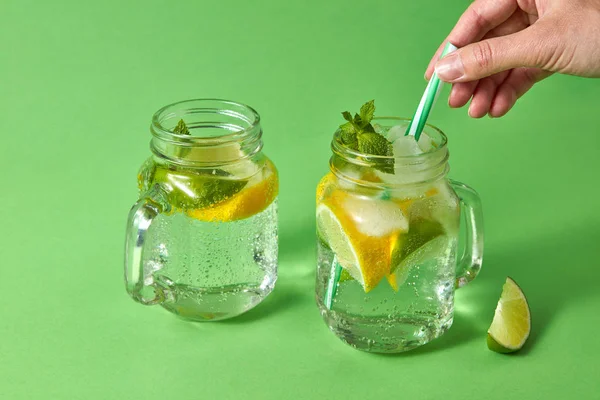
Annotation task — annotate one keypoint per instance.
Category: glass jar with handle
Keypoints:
(202, 238)
(388, 230)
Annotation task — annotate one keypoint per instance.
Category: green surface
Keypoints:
(79, 82)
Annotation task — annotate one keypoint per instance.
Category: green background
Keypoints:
(79, 82)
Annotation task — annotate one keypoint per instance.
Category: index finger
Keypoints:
(481, 17)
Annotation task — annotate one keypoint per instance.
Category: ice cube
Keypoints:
(440, 204)
(396, 132)
(374, 217)
(379, 129)
(351, 174)
(425, 143)
(406, 146)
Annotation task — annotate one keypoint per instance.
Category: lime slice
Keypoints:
(428, 251)
(330, 229)
(345, 276)
(421, 231)
(512, 321)
(424, 241)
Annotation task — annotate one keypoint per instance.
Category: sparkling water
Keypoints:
(212, 270)
(384, 320)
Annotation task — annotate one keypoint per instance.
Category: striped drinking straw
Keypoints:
(428, 100)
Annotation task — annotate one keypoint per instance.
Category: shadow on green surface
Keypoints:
(553, 271)
(281, 299)
(464, 329)
(290, 293)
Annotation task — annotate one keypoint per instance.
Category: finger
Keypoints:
(435, 59)
(518, 82)
(484, 94)
(461, 93)
(479, 18)
(488, 57)
(515, 23)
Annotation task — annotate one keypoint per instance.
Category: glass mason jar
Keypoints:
(387, 244)
(202, 238)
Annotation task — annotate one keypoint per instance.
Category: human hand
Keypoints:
(506, 46)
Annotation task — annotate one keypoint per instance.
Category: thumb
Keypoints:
(487, 57)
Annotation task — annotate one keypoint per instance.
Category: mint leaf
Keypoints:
(207, 189)
(367, 111)
(358, 121)
(348, 135)
(213, 191)
(377, 145)
(369, 128)
(358, 134)
(181, 128)
(349, 139)
(348, 127)
(374, 144)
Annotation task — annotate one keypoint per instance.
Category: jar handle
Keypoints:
(140, 287)
(469, 264)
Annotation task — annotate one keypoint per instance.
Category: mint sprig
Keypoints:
(181, 128)
(358, 134)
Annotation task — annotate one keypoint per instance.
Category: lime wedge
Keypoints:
(421, 231)
(512, 321)
(424, 241)
(428, 251)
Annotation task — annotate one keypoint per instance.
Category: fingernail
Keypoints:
(470, 112)
(450, 68)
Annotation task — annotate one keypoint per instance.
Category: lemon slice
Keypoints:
(362, 233)
(324, 184)
(391, 278)
(512, 321)
(256, 196)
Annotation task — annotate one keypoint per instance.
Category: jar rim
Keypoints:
(415, 169)
(233, 109)
(345, 152)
